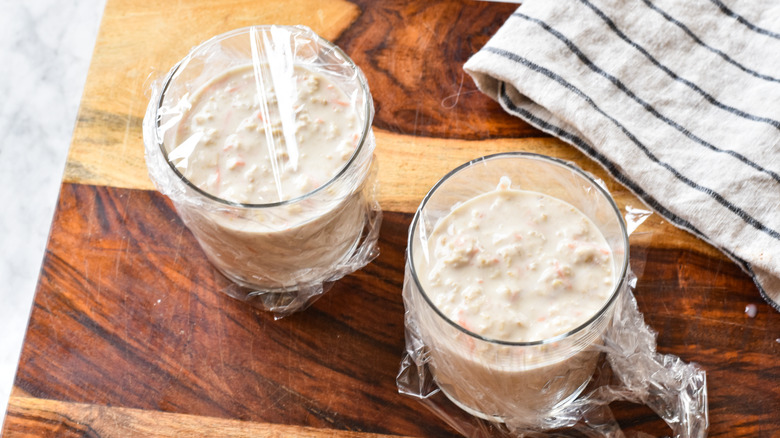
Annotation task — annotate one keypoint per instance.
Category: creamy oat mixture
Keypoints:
(518, 266)
(246, 140)
(260, 147)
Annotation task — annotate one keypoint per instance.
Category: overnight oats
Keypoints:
(514, 264)
(233, 146)
(262, 138)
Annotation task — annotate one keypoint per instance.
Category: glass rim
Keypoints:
(223, 36)
(528, 155)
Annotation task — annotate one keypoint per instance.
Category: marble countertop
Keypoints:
(46, 47)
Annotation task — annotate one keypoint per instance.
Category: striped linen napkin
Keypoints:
(678, 100)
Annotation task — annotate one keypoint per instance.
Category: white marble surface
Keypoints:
(45, 48)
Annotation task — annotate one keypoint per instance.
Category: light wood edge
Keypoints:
(108, 422)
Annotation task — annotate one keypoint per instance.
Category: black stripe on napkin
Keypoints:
(747, 218)
(649, 108)
(744, 21)
(725, 57)
(708, 97)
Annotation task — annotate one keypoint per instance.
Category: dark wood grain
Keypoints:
(697, 306)
(413, 54)
(129, 313)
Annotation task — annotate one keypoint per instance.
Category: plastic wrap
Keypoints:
(262, 139)
(552, 387)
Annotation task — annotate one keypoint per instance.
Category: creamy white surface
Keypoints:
(260, 147)
(515, 265)
(248, 140)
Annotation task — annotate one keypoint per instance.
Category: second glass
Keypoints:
(511, 382)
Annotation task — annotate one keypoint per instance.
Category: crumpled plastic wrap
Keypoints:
(538, 396)
(285, 250)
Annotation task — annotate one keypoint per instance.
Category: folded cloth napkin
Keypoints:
(678, 100)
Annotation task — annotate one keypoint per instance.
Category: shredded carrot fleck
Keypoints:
(558, 269)
(340, 102)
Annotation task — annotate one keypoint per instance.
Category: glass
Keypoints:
(496, 379)
(287, 252)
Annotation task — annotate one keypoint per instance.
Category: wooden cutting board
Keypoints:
(131, 335)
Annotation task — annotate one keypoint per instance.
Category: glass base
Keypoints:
(254, 288)
(501, 418)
